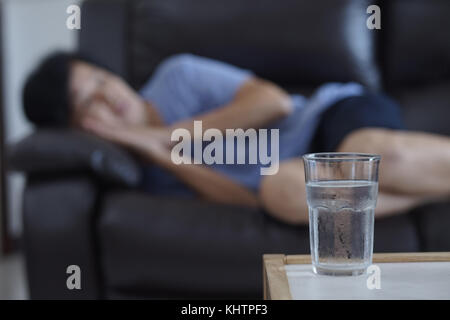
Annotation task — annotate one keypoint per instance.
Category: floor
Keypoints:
(12, 278)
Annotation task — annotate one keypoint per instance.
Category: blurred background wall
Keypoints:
(30, 29)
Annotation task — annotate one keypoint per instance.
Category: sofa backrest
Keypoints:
(415, 61)
(292, 42)
(296, 43)
(416, 46)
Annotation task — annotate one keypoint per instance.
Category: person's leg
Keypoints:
(284, 196)
(412, 163)
(390, 204)
(415, 167)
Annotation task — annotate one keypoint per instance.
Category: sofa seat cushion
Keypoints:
(173, 247)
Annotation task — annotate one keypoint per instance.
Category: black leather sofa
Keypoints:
(83, 204)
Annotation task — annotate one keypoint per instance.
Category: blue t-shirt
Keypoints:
(184, 86)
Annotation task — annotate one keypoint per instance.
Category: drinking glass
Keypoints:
(341, 190)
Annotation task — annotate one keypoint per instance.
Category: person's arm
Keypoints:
(207, 183)
(256, 103)
(148, 142)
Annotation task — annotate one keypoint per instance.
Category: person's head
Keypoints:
(66, 89)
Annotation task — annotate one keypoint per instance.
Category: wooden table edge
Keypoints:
(384, 257)
(276, 284)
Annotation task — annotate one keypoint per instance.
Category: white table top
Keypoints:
(412, 280)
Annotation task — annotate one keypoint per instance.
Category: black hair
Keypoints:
(46, 99)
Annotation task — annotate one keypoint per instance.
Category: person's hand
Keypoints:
(148, 141)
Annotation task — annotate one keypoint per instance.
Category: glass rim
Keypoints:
(341, 156)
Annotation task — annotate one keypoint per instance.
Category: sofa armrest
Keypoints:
(58, 224)
(61, 151)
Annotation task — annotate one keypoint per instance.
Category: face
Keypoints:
(100, 95)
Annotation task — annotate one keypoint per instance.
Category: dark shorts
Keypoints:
(350, 114)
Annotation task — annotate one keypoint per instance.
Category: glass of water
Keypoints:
(341, 190)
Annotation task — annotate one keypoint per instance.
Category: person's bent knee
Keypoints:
(382, 141)
(385, 142)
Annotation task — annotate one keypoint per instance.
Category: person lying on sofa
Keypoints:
(68, 90)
